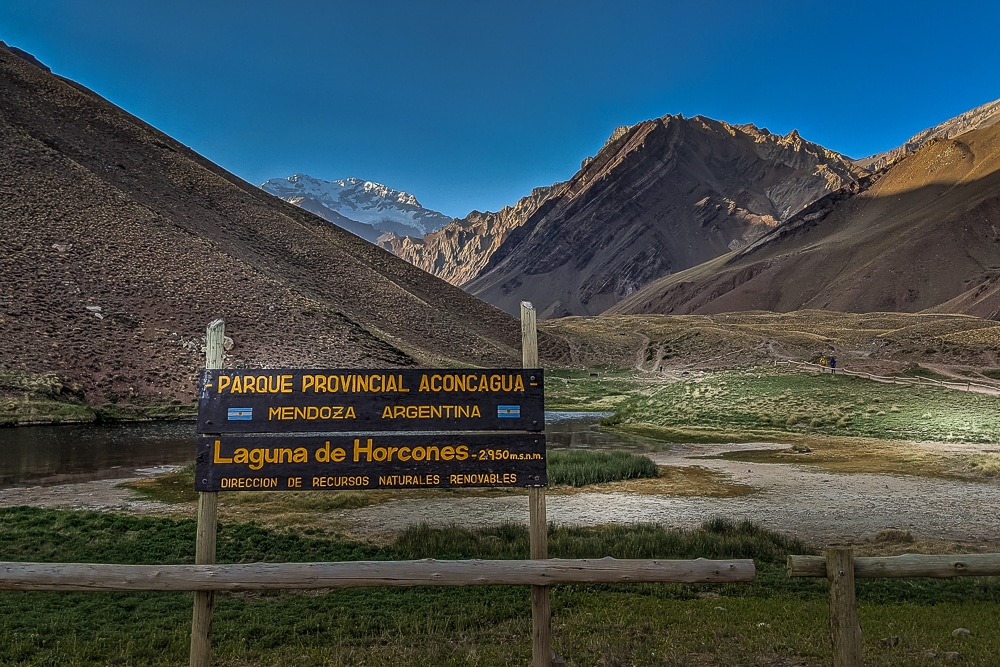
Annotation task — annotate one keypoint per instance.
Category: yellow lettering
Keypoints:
(286, 388)
(256, 459)
(222, 382)
(307, 382)
(218, 454)
(359, 450)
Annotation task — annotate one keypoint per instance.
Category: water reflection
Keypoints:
(581, 430)
(45, 455)
(59, 454)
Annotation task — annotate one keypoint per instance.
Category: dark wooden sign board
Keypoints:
(352, 400)
(252, 426)
(369, 461)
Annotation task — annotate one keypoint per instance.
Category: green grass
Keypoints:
(44, 398)
(773, 619)
(581, 468)
(769, 400)
(580, 390)
(40, 397)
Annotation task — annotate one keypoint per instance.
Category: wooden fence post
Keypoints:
(845, 629)
(541, 609)
(204, 601)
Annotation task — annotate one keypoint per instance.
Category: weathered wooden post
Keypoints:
(204, 601)
(845, 629)
(541, 609)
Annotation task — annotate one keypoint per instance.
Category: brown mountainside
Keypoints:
(982, 116)
(118, 245)
(661, 196)
(925, 235)
(459, 251)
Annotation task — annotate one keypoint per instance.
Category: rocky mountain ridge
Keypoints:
(460, 250)
(365, 208)
(923, 234)
(982, 116)
(661, 196)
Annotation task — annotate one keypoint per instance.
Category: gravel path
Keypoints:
(818, 506)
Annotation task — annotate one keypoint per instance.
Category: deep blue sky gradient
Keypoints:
(471, 104)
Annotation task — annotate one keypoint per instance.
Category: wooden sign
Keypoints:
(373, 461)
(300, 401)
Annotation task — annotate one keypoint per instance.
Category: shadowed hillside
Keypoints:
(661, 196)
(118, 245)
(923, 236)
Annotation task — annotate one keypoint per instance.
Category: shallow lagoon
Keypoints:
(46, 455)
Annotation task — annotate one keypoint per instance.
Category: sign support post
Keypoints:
(541, 609)
(204, 601)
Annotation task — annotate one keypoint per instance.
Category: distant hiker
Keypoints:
(822, 360)
(833, 364)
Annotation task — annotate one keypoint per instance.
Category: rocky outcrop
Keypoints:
(982, 116)
(920, 235)
(460, 250)
(661, 196)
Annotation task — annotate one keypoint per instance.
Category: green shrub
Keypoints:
(580, 468)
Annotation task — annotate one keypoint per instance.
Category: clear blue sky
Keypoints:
(470, 104)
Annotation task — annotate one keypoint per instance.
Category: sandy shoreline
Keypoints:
(818, 506)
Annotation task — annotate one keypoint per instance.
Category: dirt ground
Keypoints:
(818, 506)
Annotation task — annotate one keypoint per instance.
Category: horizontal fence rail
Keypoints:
(428, 572)
(959, 385)
(841, 569)
(908, 565)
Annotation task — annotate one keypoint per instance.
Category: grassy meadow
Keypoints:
(838, 423)
(774, 620)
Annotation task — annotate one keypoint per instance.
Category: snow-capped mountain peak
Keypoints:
(377, 208)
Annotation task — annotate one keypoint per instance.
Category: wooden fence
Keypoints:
(841, 568)
(211, 578)
(356, 574)
(967, 385)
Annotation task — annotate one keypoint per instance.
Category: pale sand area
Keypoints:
(815, 505)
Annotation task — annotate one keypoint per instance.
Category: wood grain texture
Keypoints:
(845, 628)
(907, 565)
(428, 572)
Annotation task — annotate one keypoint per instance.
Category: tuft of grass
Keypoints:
(580, 467)
(173, 487)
